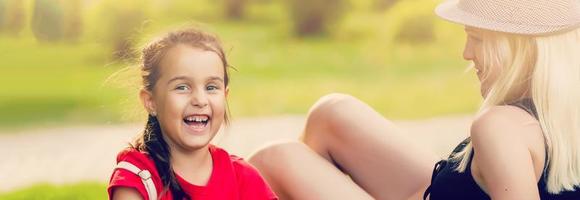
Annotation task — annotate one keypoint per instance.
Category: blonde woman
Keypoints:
(524, 142)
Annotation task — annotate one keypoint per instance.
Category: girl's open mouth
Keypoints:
(197, 122)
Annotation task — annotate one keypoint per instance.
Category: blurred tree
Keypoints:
(417, 29)
(73, 25)
(122, 20)
(14, 17)
(313, 17)
(382, 5)
(2, 15)
(409, 22)
(235, 9)
(47, 20)
(202, 10)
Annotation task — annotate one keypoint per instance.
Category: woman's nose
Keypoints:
(468, 51)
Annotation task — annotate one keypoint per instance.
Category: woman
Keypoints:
(524, 142)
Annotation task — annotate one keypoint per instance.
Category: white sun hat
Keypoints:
(527, 17)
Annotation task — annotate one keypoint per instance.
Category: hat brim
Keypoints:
(449, 10)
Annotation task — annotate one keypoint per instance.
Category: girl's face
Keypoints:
(189, 98)
(474, 52)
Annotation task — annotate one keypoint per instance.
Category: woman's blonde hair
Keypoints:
(547, 69)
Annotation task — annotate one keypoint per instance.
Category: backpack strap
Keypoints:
(145, 176)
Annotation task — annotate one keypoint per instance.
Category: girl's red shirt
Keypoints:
(231, 178)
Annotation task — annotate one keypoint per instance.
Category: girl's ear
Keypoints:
(227, 91)
(147, 100)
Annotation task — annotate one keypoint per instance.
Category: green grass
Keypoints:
(77, 191)
(53, 82)
(277, 73)
(288, 75)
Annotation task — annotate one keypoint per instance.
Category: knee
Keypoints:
(330, 105)
(323, 115)
(269, 157)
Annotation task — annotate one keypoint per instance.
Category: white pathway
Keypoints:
(87, 153)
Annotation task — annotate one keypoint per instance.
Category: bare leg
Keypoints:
(381, 160)
(343, 131)
(294, 171)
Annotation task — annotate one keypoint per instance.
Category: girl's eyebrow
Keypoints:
(177, 78)
(215, 78)
(211, 78)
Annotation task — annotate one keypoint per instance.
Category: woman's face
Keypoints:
(189, 97)
(474, 52)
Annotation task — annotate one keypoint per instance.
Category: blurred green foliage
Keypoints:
(84, 191)
(12, 16)
(73, 20)
(235, 9)
(47, 20)
(120, 21)
(314, 17)
(382, 5)
(402, 60)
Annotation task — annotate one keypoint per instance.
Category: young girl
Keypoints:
(524, 142)
(185, 85)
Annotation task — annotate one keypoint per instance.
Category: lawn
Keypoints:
(78, 191)
(277, 73)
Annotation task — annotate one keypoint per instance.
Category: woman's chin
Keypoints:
(484, 92)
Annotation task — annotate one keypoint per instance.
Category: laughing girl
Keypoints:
(185, 87)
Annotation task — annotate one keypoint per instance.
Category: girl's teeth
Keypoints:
(197, 118)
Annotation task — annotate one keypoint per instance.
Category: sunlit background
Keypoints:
(70, 62)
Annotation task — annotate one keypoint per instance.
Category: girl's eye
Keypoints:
(211, 87)
(182, 87)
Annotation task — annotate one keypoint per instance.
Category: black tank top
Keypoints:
(448, 184)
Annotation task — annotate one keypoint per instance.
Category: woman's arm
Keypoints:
(503, 159)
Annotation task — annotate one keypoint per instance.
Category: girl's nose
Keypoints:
(199, 99)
